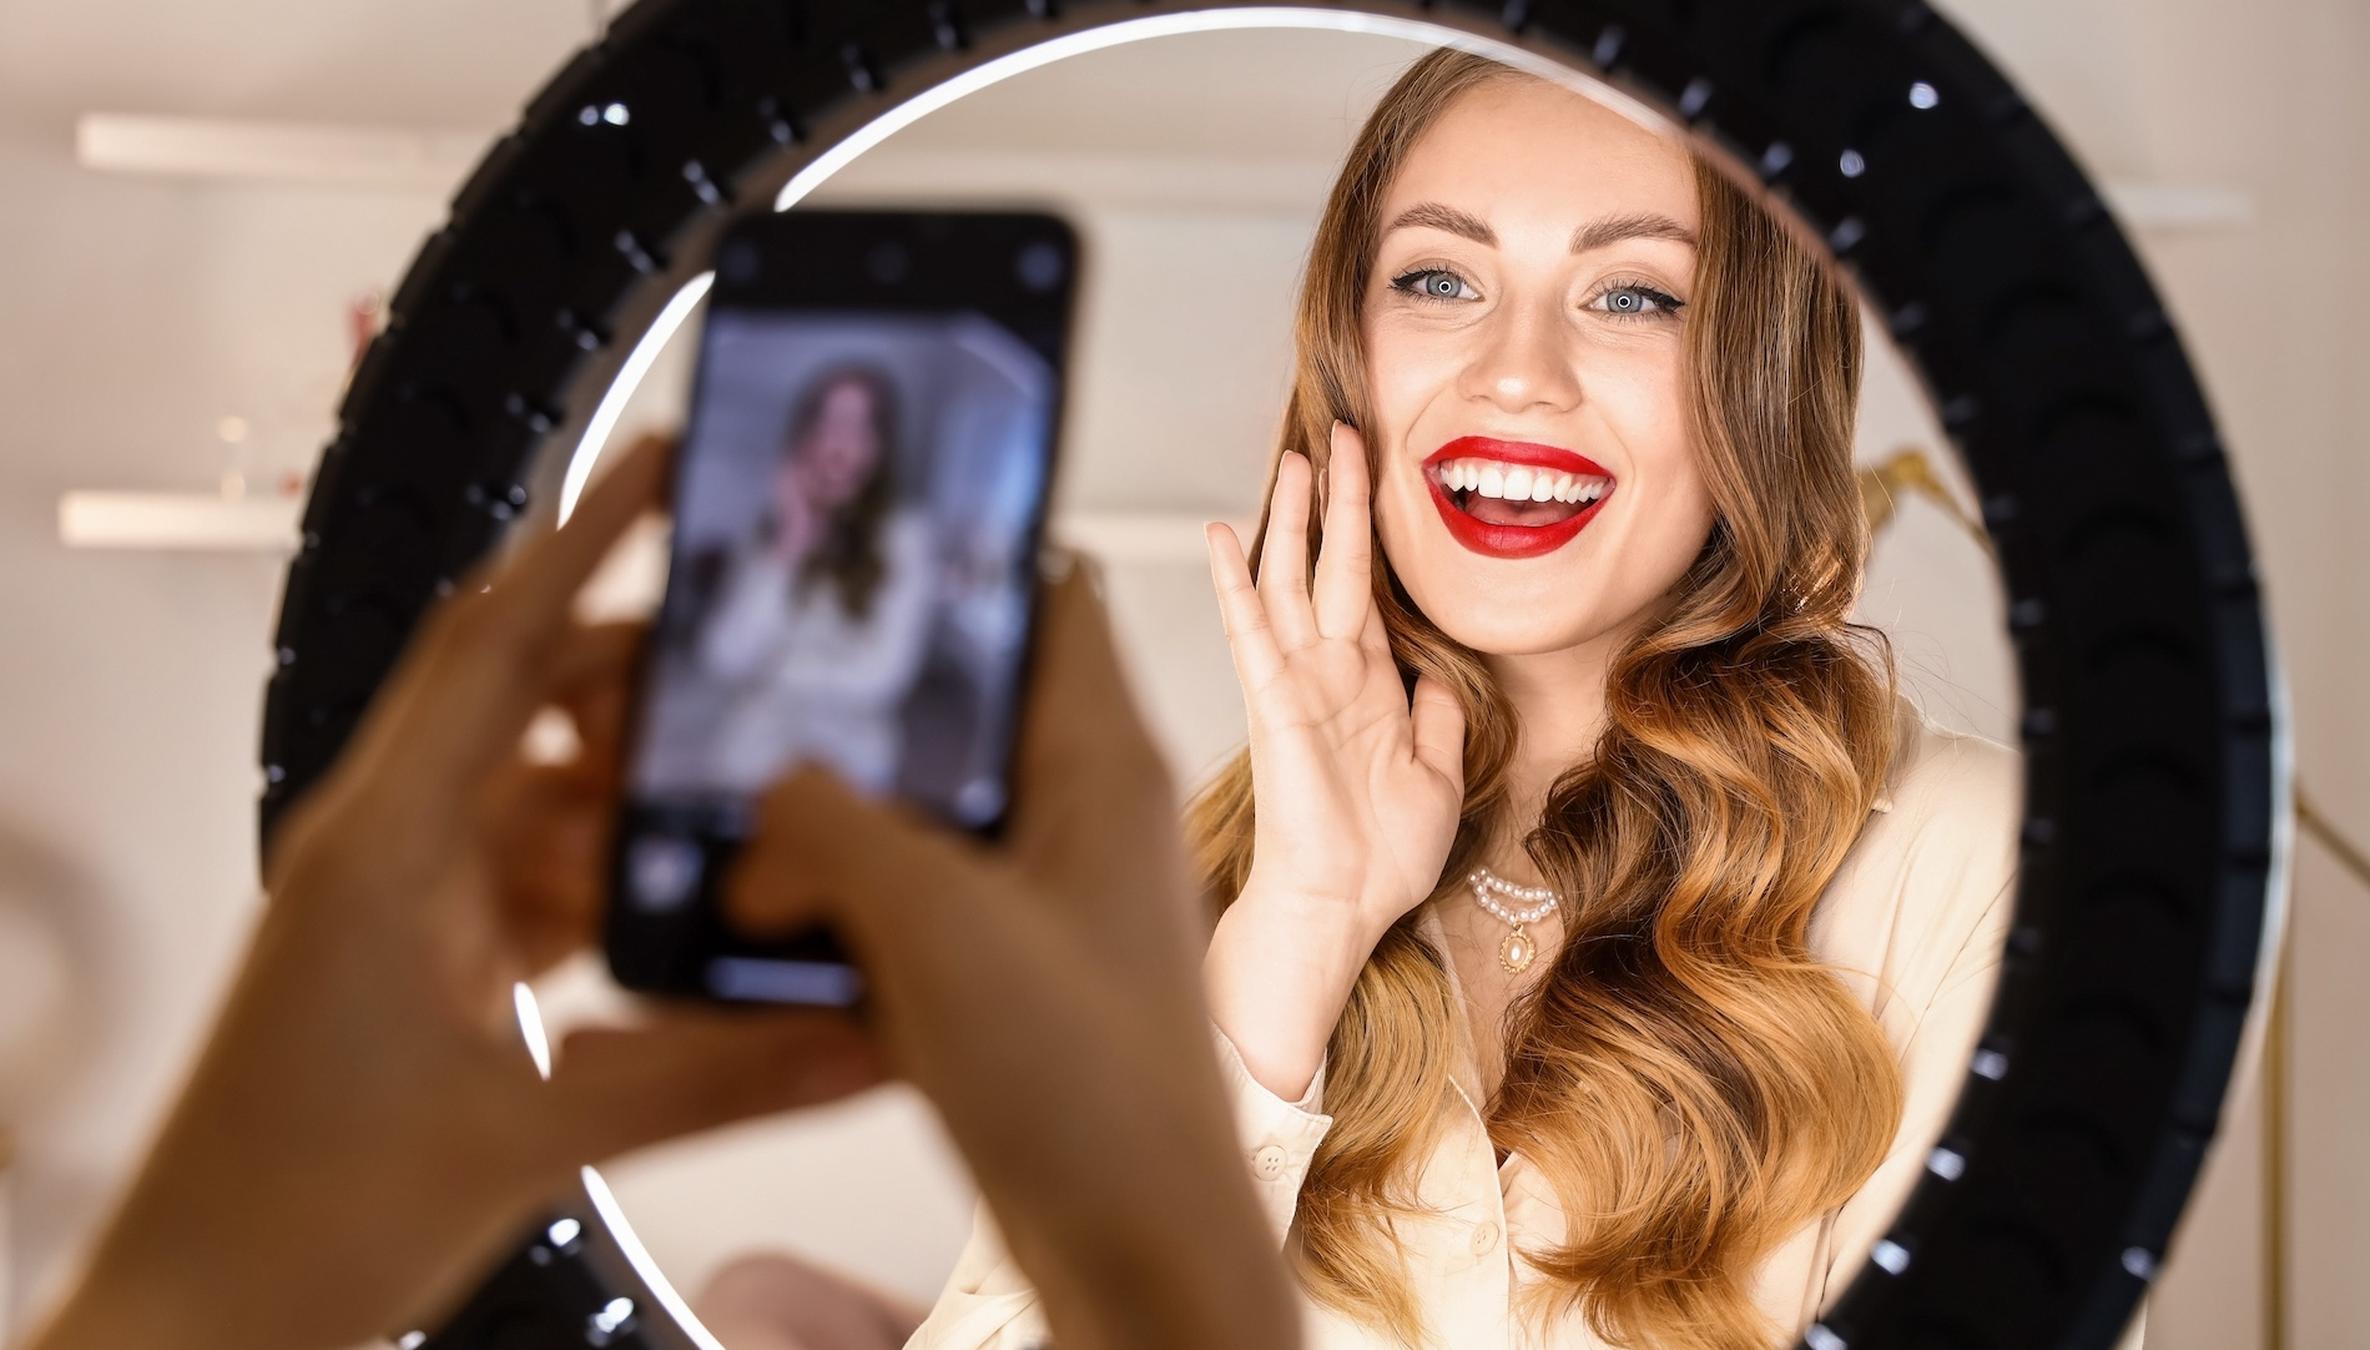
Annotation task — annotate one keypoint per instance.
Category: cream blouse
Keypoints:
(1913, 924)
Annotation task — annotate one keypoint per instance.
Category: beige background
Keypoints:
(137, 309)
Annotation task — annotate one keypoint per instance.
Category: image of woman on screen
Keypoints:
(820, 614)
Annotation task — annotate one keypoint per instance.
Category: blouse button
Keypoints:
(1485, 1237)
(1268, 1162)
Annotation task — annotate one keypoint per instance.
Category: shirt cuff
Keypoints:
(1278, 1137)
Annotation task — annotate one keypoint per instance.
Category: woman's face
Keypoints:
(1524, 316)
(836, 457)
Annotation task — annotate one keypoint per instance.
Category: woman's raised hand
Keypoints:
(1356, 786)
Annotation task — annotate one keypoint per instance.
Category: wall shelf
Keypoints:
(205, 523)
(179, 521)
(1180, 179)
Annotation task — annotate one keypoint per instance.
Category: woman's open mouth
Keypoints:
(1514, 499)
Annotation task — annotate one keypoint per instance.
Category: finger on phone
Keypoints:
(548, 847)
(591, 682)
(1079, 712)
(461, 698)
(537, 585)
(822, 852)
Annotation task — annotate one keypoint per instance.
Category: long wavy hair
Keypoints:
(849, 553)
(1690, 1079)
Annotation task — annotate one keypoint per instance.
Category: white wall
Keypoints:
(135, 312)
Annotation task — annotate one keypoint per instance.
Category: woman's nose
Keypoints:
(1522, 362)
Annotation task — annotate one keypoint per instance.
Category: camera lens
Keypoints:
(887, 262)
(739, 262)
(1040, 267)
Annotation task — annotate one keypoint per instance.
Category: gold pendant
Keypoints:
(1516, 952)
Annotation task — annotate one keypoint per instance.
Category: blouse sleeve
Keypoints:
(1278, 1138)
(987, 1303)
(745, 625)
(1956, 887)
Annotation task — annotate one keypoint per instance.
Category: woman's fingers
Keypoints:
(1283, 557)
(1258, 662)
(1345, 566)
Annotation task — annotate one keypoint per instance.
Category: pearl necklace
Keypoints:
(1518, 950)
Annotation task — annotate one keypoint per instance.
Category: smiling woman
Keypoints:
(1573, 676)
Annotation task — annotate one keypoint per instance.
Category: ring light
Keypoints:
(2155, 793)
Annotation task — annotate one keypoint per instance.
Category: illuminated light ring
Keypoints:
(2157, 820)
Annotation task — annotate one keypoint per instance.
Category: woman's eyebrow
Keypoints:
(1449, 218)
(1595, 234)
(1635, 225)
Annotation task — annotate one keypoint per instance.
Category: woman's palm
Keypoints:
(1357, 788)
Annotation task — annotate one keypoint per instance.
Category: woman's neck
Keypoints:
(1559, 707)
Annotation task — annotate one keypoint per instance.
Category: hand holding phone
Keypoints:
(1044, 992)
(860, 501)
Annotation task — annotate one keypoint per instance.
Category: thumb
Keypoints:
(823, 852)
(1439, 725)
(623, 1088)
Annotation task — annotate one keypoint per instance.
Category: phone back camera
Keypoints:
(738, 262)
(887, 263)
(1040, 267)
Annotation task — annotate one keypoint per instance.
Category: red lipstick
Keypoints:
(1511, 541)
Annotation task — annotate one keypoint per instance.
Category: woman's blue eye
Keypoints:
(1638, 302)
(1433, 283)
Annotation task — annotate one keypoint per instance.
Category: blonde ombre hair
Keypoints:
(1692, 1081)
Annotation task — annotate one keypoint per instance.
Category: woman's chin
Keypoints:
(1510, 629)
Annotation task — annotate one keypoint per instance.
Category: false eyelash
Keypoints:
(1668, 305)
(1400, 283)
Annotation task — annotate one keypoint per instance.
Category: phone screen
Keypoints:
(858, 509)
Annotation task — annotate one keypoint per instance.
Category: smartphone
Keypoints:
(860, 502)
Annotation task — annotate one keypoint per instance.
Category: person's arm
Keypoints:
(365, 1129)
(1089, 1105)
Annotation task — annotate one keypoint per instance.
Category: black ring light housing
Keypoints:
(2154, 755)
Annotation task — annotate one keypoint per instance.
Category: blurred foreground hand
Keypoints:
(364, 1131)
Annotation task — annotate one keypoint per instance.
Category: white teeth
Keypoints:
(1521, 482)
